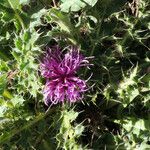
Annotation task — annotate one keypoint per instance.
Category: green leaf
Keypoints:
(61, 19)
(79, 129)
(76, 5)
(2, 83)
(2, 110)
(136, 125)
(3, 66)
(133, 94)
(64, 23)
(144, 146)
(17, 100)
(18, 43)
(24, 2)
(14, 4)
(7, 94)
(36, 18)
(10, 4)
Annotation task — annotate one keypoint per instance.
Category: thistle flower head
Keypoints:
(60, 69)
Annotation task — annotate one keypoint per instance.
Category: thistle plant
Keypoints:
(46, 101)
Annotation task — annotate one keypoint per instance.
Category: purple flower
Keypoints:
(60, 69)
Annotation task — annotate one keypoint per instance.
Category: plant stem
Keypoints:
(17, 15)
(54, 3)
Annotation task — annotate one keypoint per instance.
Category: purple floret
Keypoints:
(60, 69)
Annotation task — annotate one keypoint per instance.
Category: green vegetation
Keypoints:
(114, 113)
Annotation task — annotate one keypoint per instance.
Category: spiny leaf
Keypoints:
(76, 5)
